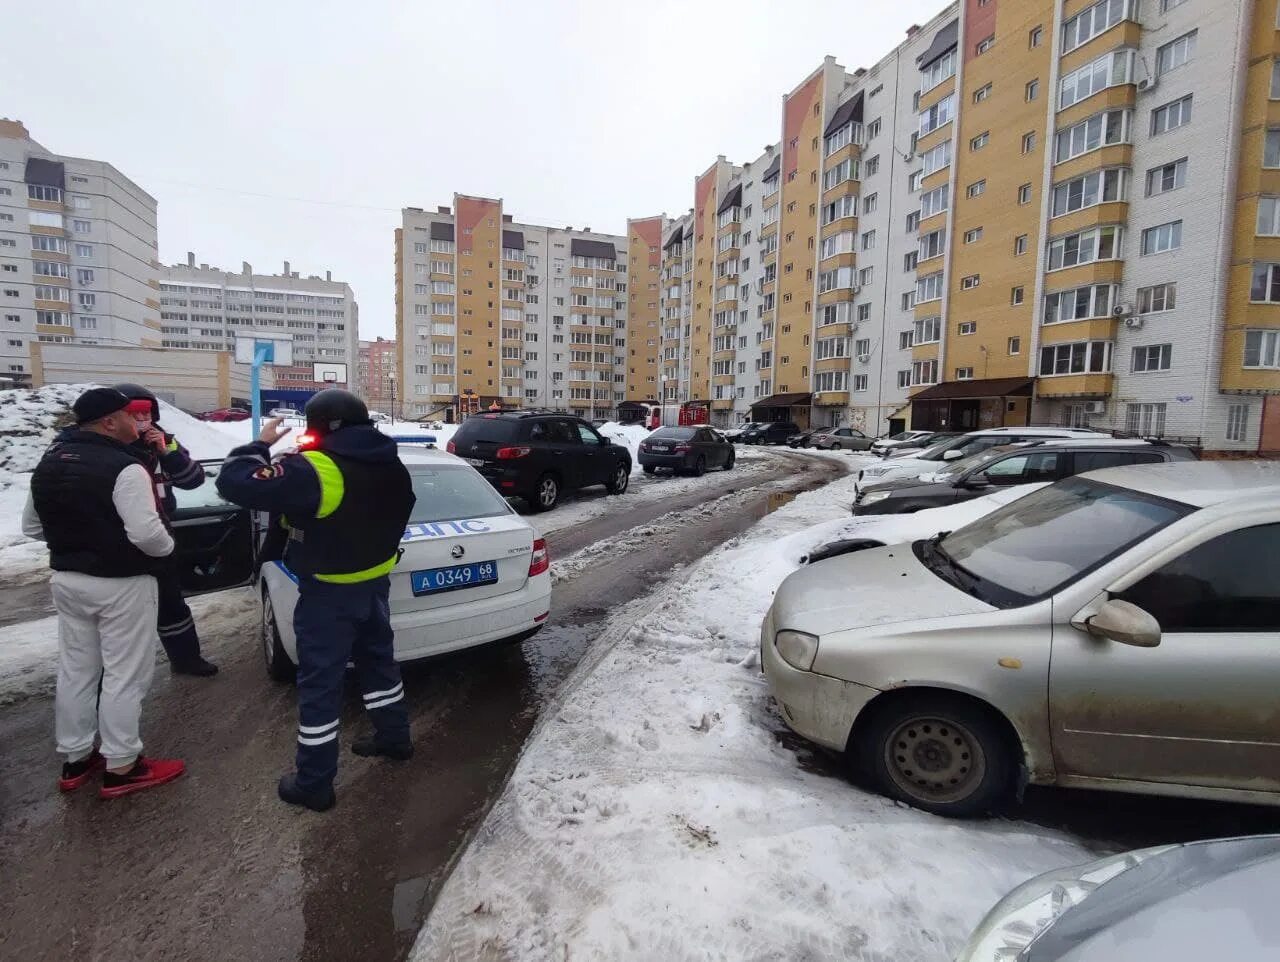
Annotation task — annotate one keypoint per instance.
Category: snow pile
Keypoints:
(629, 436)
(657, 814)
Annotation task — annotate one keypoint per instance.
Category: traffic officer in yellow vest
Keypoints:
(346, 498)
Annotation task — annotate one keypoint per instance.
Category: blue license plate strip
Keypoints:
(434, 581)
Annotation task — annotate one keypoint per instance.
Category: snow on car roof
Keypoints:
(1198, 483)
(421, 454)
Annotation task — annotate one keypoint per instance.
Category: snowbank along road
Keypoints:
(214, 867)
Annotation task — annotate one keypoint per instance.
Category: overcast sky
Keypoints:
(273, 130)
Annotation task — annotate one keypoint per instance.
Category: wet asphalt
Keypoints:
(214, 867)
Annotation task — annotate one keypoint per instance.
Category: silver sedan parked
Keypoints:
(846, 439)
(1116, 630)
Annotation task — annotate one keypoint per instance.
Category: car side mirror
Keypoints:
(975, 482)
(604, 442)
(1124, 622)
(951, 455)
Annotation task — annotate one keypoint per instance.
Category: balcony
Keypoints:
(830, 398)
(1074, 385)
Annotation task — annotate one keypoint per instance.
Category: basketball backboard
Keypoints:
(329, 372)
(280, 348)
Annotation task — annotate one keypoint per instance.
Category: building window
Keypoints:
(913, 222)
(1078, 304)
(1175, 53)
(1019, 245)
(1271, 152)
(873, 166)
(905, 340)
(976, 189)
(964, 374)
(1100, 130)
(1268, 217)
(935, 159)
(970, 282)
(860, 382)
(908, 300)
(1171, 116)
(1082, 357)
(932, 202)
(84, 250)
(980, 141)
(1032, 90)
(1096, 187)
(1164, 237)
(81, 203)
(1161, 180)
(982, 93)
(1024, 194)
(1028, 141)
(1085, 247)
(1016, 295)
(1015, 345)
(52, 195)
(1151, 357)
(1091, 22)
(1146, 420)
(864, 313)
(938, 115)
(927, 330)
(944, 68)
(1157, 299)
(910, 261)
(904, 379)
(873, 129)
(1237, 420)
(973, 235)
(967, 327)
(984, 45)
(1035, 36)
(924, 372)
(1262, 349)
(1110, 70)
(81, 226)
(865, 276)
(868, 240)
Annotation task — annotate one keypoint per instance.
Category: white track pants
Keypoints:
(107, 631)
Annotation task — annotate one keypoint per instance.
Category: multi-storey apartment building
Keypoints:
(1051, 210)
(494, 312)
(77, 253)
(206, 308)
(376, 375)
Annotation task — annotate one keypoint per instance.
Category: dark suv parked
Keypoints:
(1009, 464)
(772, 432)
(538, 457)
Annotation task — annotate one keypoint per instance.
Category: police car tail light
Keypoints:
(451, 448)
(510, 454)
(541, 560)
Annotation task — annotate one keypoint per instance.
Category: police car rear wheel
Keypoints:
(279, 666)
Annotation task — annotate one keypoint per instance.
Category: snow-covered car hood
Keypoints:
(897, 467)
(867, 589)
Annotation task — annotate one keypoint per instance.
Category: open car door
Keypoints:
(216, 541)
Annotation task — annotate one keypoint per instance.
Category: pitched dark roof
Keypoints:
(512, 240)
(987, 387)
(49, 173)
(774, 168)
(676, 237)
(944, 40)
(591, 248)
(440, 231)
(731, 200)
(850, 110)
(782, 401)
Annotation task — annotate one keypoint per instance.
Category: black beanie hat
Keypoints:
(98, 402)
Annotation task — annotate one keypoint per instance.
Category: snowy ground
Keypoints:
(656, 813)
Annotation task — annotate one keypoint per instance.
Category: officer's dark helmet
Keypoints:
(136, 392)
(333, 409)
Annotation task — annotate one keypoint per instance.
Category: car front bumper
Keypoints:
(817, 707)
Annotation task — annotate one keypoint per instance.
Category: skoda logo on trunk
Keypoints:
(457, 551)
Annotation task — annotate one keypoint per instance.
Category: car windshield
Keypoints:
(1042, 542)
(452, 492)
(955, 469)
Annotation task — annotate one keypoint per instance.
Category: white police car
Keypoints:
(471, 570)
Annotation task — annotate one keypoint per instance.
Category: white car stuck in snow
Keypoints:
(471, 571)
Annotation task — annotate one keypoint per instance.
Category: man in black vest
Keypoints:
(171, 466)
(93, 503)
(346, 499)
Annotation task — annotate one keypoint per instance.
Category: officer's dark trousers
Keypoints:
(177, 627)
(335, 624)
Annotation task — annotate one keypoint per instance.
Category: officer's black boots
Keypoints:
(369, 747)
(289, 792)
(197, 667)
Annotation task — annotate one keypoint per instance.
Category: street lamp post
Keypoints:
(391, 377)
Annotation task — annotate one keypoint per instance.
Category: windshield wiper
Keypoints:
(938, 560)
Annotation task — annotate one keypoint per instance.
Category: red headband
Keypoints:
(141, 406)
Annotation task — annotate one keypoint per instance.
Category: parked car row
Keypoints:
(1115, 629)
(225, 414)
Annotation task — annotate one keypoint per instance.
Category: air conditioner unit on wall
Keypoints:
(864, 358)
(1147, 85)
(1095, 407)
(1122, 310)
(1133, 323)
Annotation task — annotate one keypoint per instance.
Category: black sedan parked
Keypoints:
(1009, 464)
(800, 440)
(772, 432)
(688, 449)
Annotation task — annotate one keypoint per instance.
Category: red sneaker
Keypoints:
(75, 774)
(145, 773)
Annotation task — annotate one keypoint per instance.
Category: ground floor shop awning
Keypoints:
(973, 405)
(783, 401)
(988, 387)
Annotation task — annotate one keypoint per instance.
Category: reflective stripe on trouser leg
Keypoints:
(376, 669)
(325, 630)
(176, 626)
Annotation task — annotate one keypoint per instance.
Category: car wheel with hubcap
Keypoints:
(700, 466)
(940, 753)
(620, 479)
(279, 666)
(547, 493)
